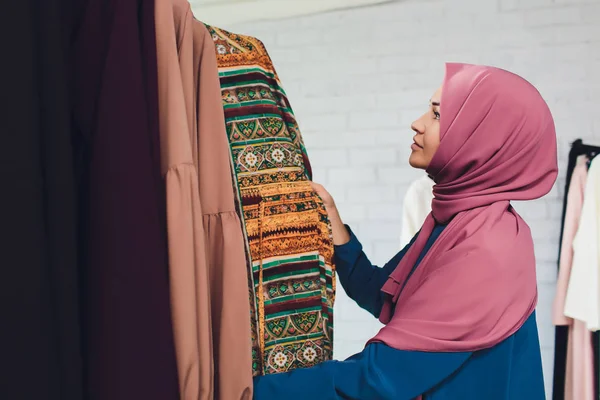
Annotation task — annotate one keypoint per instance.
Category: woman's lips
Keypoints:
(415, 146)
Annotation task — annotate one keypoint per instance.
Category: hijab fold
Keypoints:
(476, 286)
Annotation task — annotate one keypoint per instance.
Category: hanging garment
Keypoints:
(129, 338)
(583, 294)
(40, 344)
(188, 270)
(289, 235)
(574, 203)
(562, 332)
(209, 278)
(416, 207)
(579, 370)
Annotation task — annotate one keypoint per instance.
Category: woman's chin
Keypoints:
(415, 162)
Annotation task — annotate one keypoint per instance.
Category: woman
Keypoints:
(458, 302)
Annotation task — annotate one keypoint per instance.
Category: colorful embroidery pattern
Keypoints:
(289, 235)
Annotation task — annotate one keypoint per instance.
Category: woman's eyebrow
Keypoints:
(434, 103)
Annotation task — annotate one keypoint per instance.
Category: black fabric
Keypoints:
(560, 362)
(128, 348)
(596, 350)
(40, 335)
(561, 332)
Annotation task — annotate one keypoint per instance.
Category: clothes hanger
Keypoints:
(589, 150)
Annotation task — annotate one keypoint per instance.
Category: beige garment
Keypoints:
(206, 246)
(583, 295)
(416, 207)
(579, 370)
(188, 269)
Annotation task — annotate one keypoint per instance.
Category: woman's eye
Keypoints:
(436, 115)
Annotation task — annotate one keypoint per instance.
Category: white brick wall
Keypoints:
(357, 78)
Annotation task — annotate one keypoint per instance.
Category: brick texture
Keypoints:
(357, 78)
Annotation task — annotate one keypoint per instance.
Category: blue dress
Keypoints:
(511, 370)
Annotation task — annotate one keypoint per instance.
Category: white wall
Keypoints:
(217, 12)
(357, 78)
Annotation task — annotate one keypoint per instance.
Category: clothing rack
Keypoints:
(581, 148)
(578, 148)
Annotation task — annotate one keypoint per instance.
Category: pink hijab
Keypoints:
(476, 286)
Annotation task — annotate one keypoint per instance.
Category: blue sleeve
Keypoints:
(378, 372)
(362, 280)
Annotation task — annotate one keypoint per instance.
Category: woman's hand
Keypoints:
(324, 195)
(338, 229)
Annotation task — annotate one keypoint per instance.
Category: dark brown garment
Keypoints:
(129, 340)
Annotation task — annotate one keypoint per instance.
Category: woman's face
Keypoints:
(427, 134)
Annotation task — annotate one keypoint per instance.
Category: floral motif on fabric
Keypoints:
(289, 356)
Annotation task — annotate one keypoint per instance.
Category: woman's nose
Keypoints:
(418, 126)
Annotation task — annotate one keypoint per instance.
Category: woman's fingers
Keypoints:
(323, 194)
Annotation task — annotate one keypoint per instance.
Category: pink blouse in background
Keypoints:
(579, 375)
